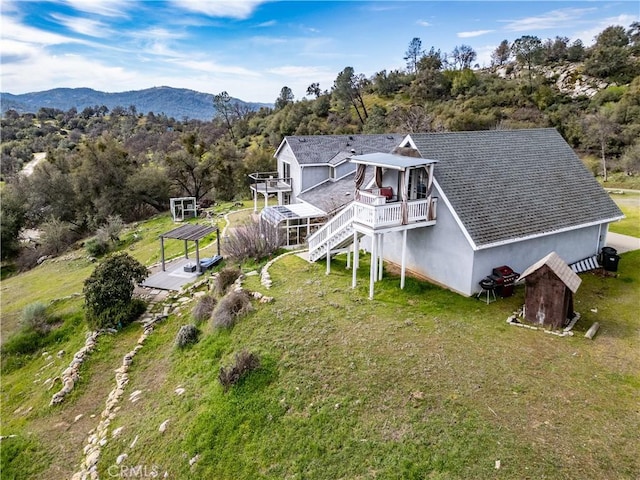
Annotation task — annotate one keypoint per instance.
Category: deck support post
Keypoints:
(374, 261)
(356, 254)
(328, 260)
(404, 258)
(380, 256)
(348, 258)
(255, 200)
(162, 252)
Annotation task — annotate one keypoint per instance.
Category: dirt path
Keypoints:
(37, 158)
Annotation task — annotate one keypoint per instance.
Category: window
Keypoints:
(417, 183)
(286, 171)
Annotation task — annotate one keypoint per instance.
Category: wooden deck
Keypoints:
(174, 277)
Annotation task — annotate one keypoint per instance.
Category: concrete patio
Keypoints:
(174, 277)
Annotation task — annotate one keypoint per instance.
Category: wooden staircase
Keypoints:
(337, 233)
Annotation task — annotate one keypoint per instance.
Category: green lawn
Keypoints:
(629, 203)
(418, 383)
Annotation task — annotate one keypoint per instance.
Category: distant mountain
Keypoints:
(173, 102)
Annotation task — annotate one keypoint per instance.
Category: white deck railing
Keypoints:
(369, 198)
(331, 228)
(377, 216)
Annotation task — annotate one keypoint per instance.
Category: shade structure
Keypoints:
(191, 232)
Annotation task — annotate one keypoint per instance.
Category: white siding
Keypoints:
(570, 246)
(440, 252)
(286, 155)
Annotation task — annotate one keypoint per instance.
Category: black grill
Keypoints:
(504, 277)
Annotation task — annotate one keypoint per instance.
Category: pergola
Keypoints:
(191, 232)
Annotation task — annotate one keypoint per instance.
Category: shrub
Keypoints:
(253, 241)
(110, 231)
(203, 309)
(225, 279)
(232, 306)
(245, 362)
(34, 318)
(96, 247)
(108, 292)
(57, 236)
(187, 335)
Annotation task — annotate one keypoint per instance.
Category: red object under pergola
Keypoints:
(187, 233)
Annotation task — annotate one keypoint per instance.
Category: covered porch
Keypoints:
(399, 199)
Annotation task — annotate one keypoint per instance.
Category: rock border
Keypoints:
(98, 436)
(71, 374)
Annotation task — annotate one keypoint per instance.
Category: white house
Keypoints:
(314, 179)
(504, 197)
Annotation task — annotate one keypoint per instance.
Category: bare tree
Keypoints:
(501, 54)
(463, 56)
(602, 129)
(225, 109)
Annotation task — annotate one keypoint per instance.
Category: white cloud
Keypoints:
(476, 33)
(270, 23)
(105, 8)
(84, 26)
(45, 71)
(588, 36)
(209, 66)
(552, 19)
(14, 30)
(263, 41)
(298, 71)
(240, 9)
(423, 23)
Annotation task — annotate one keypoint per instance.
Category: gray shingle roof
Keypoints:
(509, 184)
(325, 148)
(333, 195)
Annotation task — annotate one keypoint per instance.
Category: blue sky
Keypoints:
(252, 48)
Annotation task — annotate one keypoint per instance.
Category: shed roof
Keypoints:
(505, 185)
(325, 149)
(190, 232)
(559, 267)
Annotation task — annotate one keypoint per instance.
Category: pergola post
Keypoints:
(186, 250)
(162, 251)
(198, 266)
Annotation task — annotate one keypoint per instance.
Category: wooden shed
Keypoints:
(549, 287)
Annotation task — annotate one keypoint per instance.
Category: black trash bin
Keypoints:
(609, 259)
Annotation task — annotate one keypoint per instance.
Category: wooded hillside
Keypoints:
(119, 164)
